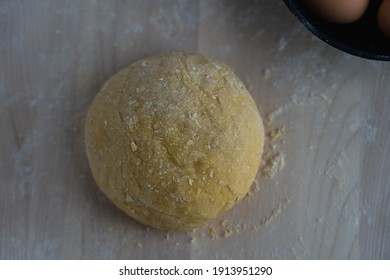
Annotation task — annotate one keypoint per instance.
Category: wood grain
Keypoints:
(330, 200)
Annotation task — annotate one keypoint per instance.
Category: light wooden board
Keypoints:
(330, 199)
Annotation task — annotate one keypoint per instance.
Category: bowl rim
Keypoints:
(298, 13)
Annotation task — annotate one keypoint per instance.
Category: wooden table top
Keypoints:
(324, 189)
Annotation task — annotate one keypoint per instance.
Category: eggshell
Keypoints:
(339, 11)
(384, 17)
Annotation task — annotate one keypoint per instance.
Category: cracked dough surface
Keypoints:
(174, 140)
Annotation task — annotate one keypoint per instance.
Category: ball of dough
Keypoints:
(174, 140)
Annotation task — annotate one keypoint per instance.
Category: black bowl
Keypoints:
(361, 38)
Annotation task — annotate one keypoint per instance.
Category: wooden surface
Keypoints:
(329, 200)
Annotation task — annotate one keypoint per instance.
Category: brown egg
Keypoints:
(384, 18)
(339, 11)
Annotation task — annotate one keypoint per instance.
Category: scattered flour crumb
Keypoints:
(301, 240)
(272, 115)
(273, 165)
(339, 183)
(78, 122)
(275, 212)
(326, 98)
(266, 74)
(334, 164)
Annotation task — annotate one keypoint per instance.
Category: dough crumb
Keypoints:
(139, 244)
(168, 235)
(223, 223)
(276, 134)
(213, 233)
(226, 233)
(226, 229)
(255, 187)
(134, 147)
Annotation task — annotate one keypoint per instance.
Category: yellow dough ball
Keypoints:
(174, 140)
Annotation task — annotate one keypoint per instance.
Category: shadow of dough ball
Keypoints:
(174, 140)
